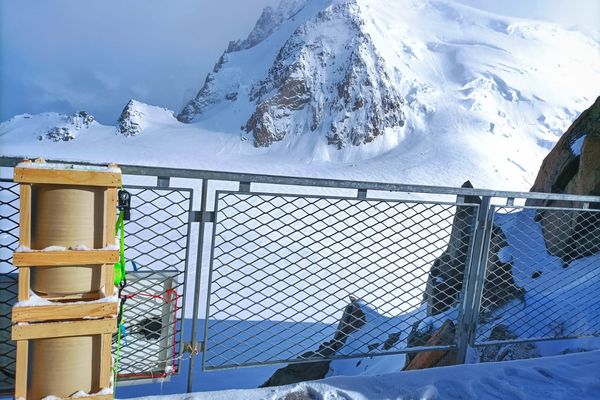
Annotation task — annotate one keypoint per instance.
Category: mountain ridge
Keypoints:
(469, 94)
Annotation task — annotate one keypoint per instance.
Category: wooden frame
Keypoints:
(27, 260)
(64, 258)
(23, 333)
(67, 177)
(58, 312)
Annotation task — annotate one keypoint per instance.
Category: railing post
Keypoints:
(199, 257)
(474, 274)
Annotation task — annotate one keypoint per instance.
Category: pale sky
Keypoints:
(94, 55)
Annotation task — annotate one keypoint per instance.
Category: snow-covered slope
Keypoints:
(572, 376)
(408, 91)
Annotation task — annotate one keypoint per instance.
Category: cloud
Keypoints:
(66, 55)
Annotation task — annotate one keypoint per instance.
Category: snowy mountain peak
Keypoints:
(327, 77)
(269, 20)
(136, 116)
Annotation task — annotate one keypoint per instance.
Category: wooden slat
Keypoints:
(76, 297)
(106, 360)
(67, 311)
(24, 283)
(93, 397)
(21, 371)
(110, 215)
(67, 177)
(428, 359)
(66, 257)
(63, 329)
(109, 279)
(25, 215)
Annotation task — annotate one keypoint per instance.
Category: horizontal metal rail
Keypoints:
(320, 182)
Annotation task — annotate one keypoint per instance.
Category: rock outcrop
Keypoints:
(446, 276)
(353, 319)
(573, 166)
(68, 131)
(505, 352)
(130, 120)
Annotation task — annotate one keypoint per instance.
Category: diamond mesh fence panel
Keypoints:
(542, 275)
(9, 241)
(156, 247)
(301, 278)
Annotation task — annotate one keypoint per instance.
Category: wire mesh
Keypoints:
(542, 275)
(300, 278)
(9, 241)
(156, 245)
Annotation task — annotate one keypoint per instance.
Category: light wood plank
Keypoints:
(92, 397)
(64, 258)
(76, 297)
(106, 360)
(64, 312)
(64, 329)
(429, 359)
(109, 279)
(110, 215)
(24, 283)
(25, 215)
(67, 177)
(21, 372)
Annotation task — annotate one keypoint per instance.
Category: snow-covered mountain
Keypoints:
(413, 91)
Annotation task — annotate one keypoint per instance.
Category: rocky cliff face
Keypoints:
(573, 166)
(341, 89)
(328, 79)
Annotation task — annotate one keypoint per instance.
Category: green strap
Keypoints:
(117, 357)
(120, 227)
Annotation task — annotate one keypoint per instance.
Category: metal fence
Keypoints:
(291, 270)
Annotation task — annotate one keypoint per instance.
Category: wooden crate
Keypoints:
(62, 319)
(29, 176)
(23, 333)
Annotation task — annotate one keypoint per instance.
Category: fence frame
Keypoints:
(474, 274)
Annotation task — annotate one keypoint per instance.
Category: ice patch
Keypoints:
(577, 145)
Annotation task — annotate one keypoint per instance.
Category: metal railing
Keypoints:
(289, 269)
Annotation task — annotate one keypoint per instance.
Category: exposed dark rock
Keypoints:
(57, 134)
(353, 319)
(67, 132)
(505, 352)
(81, 119)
